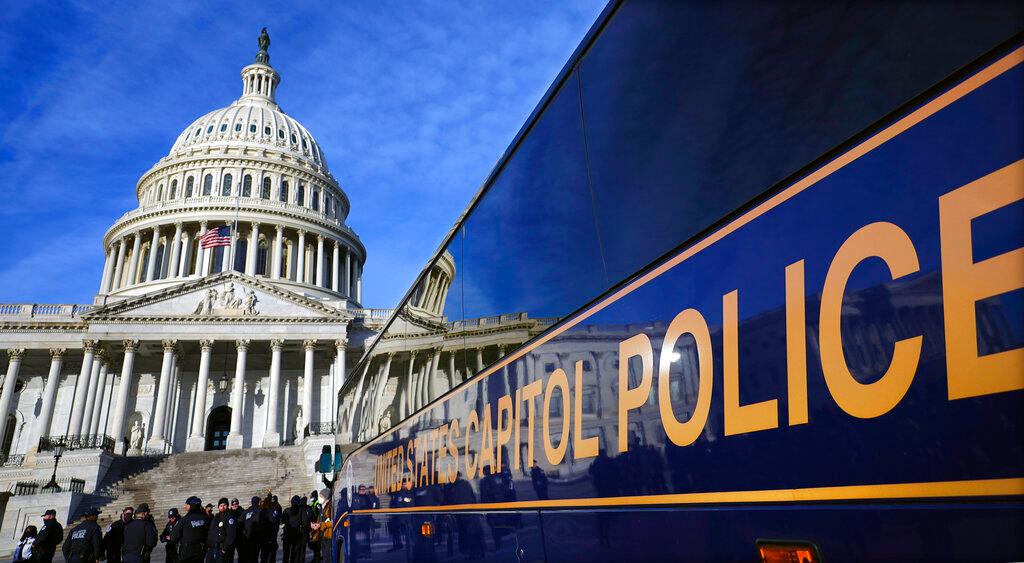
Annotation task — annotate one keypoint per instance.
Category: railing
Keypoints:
(10, 460)
(321, 428)
(77, 442)
(65, 485)
(45, 311)
(381, 314)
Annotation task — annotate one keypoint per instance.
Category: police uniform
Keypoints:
(296, 531)
(85, 541)
(249, 551)
(139, 537)
(51, 534)
(113, 539)
(190, 533)
(166, 536)
(221, 539)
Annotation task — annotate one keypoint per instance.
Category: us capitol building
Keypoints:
(186, 348)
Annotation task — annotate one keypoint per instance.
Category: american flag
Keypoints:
(218, 236)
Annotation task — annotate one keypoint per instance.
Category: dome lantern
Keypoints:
(260, 80)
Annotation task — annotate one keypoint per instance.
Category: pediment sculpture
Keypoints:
(226, 303)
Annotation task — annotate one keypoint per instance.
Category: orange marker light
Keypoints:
(427, 530)
(788, 552)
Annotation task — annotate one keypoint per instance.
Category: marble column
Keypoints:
(133, 264)
(334, 268)
(101, 388)
(407, 386)
(278, 250)
(378, 399)
(358, 398)
(430, 387)
(251, 248)
(120, 408)
(339, 376)
(90, 397)
(197, 438)
(348, 273)
(185, 260)
(319, 261)
(359, 283)
(300, 257)
(235, 438)
(7, 394)
(272, 436)
(452, 380)
(172, 266)
(108, 265)
(307, 386)
(115, 283)
(50, 392)
(156, 437)
(151, 262)
(81, 389)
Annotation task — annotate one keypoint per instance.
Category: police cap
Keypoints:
(142, 508)
(194, 501)
(255, 500)
(50, 512)
(173, 513)
(91, 512)
(296, 500)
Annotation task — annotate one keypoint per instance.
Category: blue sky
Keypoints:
(412, 103)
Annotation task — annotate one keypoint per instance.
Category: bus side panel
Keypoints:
(852, 532)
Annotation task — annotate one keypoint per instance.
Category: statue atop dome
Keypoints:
(263, 57)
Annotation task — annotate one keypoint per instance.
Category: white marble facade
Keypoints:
(180, 342)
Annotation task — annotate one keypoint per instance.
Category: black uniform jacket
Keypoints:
(140, 536)
(85, 543)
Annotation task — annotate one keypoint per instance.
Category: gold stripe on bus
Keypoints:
(944, 100)
(1011, 487)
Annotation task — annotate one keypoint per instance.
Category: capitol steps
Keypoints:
(209, 475)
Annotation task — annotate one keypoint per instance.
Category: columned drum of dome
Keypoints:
(251, 167)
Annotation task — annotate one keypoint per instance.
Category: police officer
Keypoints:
(139, 536)
(397, 523)
(190, 533)
(270, 519)
(248, 552)
(296, 531)
(240, 537)
(48, 538)
(113, 540)
(220, 541)
(85, 541)
(173, 518)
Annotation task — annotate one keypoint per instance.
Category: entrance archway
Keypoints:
(218, 424)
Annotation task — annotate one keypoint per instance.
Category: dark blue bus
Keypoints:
(749, 283)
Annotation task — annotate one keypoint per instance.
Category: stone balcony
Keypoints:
(42, 311)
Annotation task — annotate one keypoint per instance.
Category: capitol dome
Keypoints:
(256, 171)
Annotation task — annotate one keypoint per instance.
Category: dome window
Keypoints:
(316, 200)
(280, 133)
(293, 138)
(300, 194)
(238, 127)
(225, 187)
(209, 130)
(247, 186)
(174, 189)
(265, 191)
(198, 129)
(304, 144)
(266, 131)
(252, 128)
(283, 195)
(223, 127)
(208, 184)
(189, 184)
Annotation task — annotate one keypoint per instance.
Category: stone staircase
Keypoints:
(167, 481)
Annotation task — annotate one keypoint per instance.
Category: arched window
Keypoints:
(223, 127)
(300, 194)
(280, 133)
(266, 130)
(252, 128)
(265, 192)
(316, 199)
(238, 127)
(174, 189)
(209, 130)
(160, 193)
(262, 251)
(247, 186)
(283, 195)
(225, 188)
(208, 184)
(188, 186)
(293, 138)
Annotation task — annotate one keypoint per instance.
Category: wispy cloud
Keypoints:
(412, 103)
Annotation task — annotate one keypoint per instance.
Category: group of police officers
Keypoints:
(203, 534)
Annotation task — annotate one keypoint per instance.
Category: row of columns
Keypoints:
(91, 388)
(180, 260)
